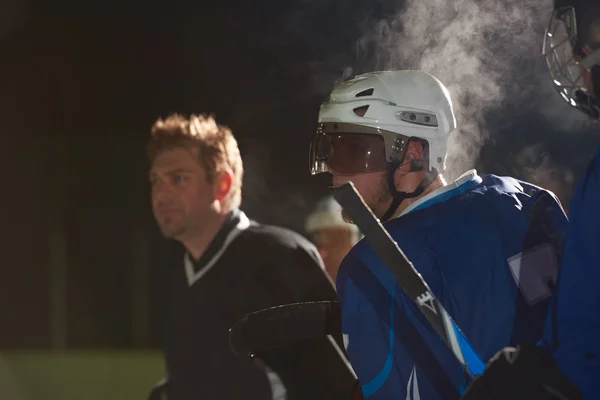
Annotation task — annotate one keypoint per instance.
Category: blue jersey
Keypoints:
(487, 248)
(572, 334)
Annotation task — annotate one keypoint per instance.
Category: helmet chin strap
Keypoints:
(399, 197)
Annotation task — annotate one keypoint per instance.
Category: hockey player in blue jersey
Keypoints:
(487, 246)
(566, 364)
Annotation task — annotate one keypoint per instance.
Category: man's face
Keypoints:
(333, 245)
(372, 187)
(182, 198)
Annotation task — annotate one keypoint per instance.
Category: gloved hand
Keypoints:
(524, 373)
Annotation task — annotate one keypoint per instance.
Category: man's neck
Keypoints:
(196, 245)
(437, 183)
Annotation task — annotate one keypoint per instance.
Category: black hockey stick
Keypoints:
(408, 277)
(283, 325)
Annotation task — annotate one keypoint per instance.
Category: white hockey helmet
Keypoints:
(367, 122)
(328, 214)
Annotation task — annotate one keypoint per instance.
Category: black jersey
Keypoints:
(248, 267)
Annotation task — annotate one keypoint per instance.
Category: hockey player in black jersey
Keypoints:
(232, 266)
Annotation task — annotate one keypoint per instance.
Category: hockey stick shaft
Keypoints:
(408, 277)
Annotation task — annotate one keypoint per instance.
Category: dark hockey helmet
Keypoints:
(572, 51)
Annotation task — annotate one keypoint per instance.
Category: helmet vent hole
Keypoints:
(360, 111)
(368, 92)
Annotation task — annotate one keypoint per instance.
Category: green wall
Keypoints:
(79, 375)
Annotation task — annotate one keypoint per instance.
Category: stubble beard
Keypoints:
(382, 196)
(171, 229)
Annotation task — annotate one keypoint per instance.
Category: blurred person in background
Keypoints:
(333, 236)
(232, 266)
(555, 181)
(535, 163)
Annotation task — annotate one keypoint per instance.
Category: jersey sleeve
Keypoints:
(573, 327)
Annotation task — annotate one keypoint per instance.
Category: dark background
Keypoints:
(79, 90)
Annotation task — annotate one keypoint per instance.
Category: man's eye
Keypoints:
(179, 178)
(153, 181)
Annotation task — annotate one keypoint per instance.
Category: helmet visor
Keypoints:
(350, 149)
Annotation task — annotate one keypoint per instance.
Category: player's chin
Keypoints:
(171, 231)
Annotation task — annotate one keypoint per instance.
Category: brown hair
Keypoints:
(217, 148)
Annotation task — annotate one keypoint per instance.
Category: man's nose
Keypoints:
(161, 192)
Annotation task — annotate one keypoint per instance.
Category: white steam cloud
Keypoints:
(487, 53)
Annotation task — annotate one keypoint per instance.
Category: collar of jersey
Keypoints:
(464, 183)
(233, 226)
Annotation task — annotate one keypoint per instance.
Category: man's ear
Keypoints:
(413, 158)
(415, 151)
(223, 185)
